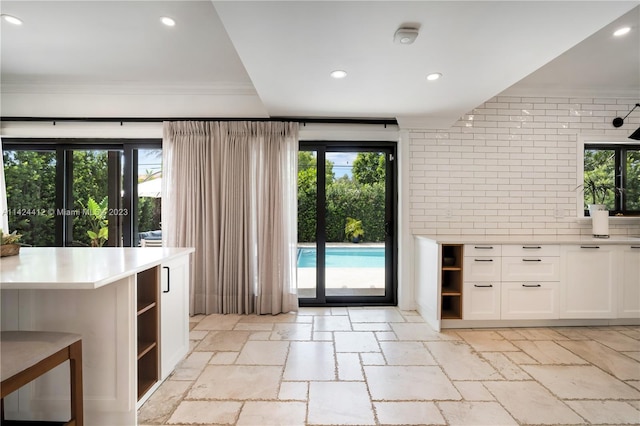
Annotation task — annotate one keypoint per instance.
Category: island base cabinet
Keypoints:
(588, 275)
(481, 301)
(529, 300)
(174, 314)
(106, 318)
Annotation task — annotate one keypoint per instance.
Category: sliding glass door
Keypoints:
(83, 193)
(346, 222)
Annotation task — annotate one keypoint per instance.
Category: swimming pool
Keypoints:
(337, 257)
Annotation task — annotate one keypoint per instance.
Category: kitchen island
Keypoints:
(129, 304)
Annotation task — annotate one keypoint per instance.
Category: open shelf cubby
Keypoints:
(451, 282)
(148, 320)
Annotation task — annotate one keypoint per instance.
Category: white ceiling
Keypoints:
(264, 58)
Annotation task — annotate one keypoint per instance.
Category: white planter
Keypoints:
(595, 208)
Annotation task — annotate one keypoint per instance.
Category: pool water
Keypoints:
(336, 257)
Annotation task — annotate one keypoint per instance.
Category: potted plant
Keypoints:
(598, 192)
(9, 246)
(99, 232)
(353, 230)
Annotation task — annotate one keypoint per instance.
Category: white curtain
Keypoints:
(229, 190)
(4, 222)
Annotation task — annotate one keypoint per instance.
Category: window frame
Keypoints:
(620, 147)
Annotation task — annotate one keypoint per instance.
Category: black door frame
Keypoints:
(391, 213)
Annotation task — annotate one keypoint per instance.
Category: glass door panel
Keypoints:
(355, 224)
(307, 223)
(149, 198)
(96, 203)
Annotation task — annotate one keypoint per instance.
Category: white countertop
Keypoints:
(530, 239)
(74, 268)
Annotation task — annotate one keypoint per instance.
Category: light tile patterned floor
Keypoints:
(374, 366)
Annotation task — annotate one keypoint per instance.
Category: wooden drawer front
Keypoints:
(481, 300)
(482, 249)
(531, 268)
(482, 268)
(529, 300)
(527, 250)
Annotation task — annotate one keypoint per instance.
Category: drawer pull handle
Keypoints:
(532, 260)
(590, 247)
(635, 247)
(483, 286)
(483, 260)
(483, 247)
(531, 247)
(531, 285)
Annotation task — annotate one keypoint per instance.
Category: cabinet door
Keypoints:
(588, 277)
(629, 300)
(174, 313)
(481, 300)
(529, 300)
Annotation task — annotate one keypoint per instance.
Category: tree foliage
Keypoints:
(356, 198)
(369, 168)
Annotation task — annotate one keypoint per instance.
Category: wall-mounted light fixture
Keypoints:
(618, 122)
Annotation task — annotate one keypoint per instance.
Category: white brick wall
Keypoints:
(510, 166)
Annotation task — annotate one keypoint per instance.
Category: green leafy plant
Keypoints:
(353, 229)
(598, 191)
(99, 232)
(11, 238)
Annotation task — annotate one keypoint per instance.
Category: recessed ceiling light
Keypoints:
(434, 76)
(338, 74)
(168, 21)
(621, 31)
(11, 19)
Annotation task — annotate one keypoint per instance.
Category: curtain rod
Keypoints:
(121, 120)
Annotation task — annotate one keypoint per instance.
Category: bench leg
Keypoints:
(75, 366)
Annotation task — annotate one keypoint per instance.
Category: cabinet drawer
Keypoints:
(482, 268)
(531, 268)
(482, 249)
(481, 300)
(526, 250)
(529, 300)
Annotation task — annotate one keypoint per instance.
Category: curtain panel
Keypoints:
(229, 191)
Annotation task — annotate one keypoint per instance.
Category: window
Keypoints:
(83, 192)
(612, 177)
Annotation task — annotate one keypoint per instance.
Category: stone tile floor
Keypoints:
(370, 366)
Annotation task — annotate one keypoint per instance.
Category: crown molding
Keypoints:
(129, 88)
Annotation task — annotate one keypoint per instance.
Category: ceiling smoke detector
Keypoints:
(405, 35)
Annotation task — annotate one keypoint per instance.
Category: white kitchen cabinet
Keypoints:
(481, 278)
(629, 296)
(588, 274)
(174, 314)
(481, 300)
(527, 300)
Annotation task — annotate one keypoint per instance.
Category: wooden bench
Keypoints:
(27, 355)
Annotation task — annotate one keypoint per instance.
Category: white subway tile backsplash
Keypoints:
(507, 167)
